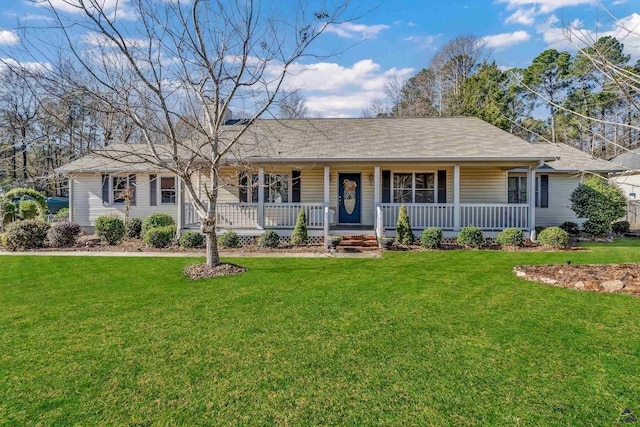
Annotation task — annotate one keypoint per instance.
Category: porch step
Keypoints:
(358, 242)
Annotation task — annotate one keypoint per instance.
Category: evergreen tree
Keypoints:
(300, 236)
(404, 233)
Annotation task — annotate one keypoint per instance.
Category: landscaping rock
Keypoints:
(579, 285)
(548, 280)
(612, 285)
(521, 273)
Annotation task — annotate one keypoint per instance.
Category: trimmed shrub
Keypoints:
(620, 227)
(471, 237)
(110, 229)
(20, 193)
(63, 234)
(300, 236)
(28, 209)
(133, 228)
(431, 238)
(27, 234)
(555, 237)
(160, 237)
(9, 212)
(404, 233)
(269, 239)
(62, 215)
(156, 220)
(600, 202)
(510, 237)
(570, 227)
(229, 239)
(191, 240)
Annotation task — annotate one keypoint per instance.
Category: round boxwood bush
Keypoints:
(471, 237)
(510, 237)
(160, 237)
(133, 228)
(269, 239)
(431, 238)
(27, 234)
(63, 234)
(62, 215)
(28, 209)
(191, 240)
(156, 220)
(570, 227)
(620, 227)
(555, 237)
(110, 229)
(229, 239)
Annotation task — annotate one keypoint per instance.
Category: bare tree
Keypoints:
(175, 71)
(291, 105)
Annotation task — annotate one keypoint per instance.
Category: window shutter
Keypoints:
(544, 191)
(386, 186)
(132, 184)
(442, 186)
(242, 187)
(295, 186)
(105, 189)
(153, 190)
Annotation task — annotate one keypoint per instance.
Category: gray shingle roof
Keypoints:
(357, 140)
(570, 159)
(629, 160)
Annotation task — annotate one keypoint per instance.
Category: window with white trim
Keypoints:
(120, 186)
(414, 187)
(517, 189)
(276, 188)
(168, 190)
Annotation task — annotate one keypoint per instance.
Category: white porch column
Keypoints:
(531, 184)
(71, 208)
(376, 195)
(180, 203)
(327, 178)
(261, 198)
(456, 197)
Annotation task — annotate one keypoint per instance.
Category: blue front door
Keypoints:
(349, 191)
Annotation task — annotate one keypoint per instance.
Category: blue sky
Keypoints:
(396, 38)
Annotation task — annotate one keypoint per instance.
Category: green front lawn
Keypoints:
(432, 338)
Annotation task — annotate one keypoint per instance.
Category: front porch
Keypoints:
(451, 205)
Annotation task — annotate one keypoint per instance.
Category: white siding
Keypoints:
(87, 200)
(483, 185)
(630, 185)
(560, 188)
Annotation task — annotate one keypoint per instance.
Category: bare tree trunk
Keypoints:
(23, 132)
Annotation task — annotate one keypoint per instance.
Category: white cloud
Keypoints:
(8, 37)
(617, 2)
(545, 6)
(522, 16)
(26, 65)
(349, 30)
(501, 41)
(333, 90)
(111, 8)
(626, 30)
(424, 42)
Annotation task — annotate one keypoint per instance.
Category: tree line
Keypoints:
(588, 100)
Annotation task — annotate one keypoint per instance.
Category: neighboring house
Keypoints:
(629, 182)
(351, 176)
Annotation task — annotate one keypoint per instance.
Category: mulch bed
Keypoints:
(203, 271)
(617, 278)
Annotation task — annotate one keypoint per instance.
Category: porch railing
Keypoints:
(491, 216)
(247, 215)
(277, 215)
(228, 215)
(422, 215)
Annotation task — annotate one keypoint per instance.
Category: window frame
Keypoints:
(268, 182)
(413, 186)
(127, 179)
(160, 190)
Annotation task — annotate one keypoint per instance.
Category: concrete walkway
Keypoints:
(369, 254)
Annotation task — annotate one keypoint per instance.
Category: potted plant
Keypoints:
(335, 241)
(386, 242)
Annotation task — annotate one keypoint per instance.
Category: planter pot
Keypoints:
(386, 243)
